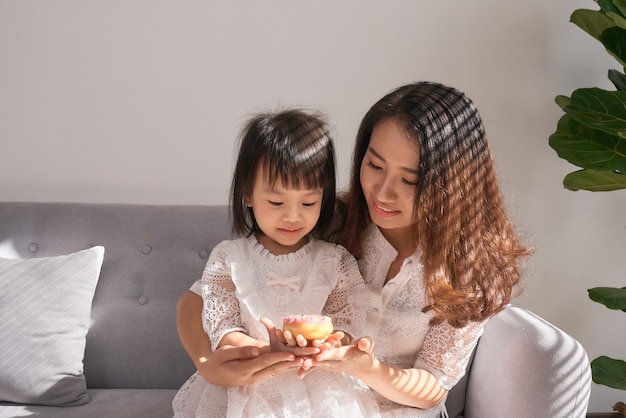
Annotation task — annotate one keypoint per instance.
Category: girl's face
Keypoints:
(389, 176)
(284, 215)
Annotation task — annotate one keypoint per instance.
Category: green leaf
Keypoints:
(594, 22)
(611, 297)
(618, 79)
(617, 18)
(614, 40)
(594, 181)
(607, 6)
(562, 101)
(588, 148)
(609, 372)
(620, 5)
(599, 109)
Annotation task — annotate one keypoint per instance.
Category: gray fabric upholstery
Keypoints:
(104, 403)
(134, 361)
(525, 367)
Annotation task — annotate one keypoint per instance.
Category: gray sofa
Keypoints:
(133, 359)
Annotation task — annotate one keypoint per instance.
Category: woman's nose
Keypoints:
(386, 188)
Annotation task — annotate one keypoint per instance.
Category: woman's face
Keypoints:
(389, 176)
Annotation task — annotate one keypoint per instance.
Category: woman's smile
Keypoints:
(383, 211)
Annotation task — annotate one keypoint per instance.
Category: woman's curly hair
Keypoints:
(470, 250)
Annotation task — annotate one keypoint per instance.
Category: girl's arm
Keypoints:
(241, 339)
(227, 366)
(276, 344)
(348, 301)
(413, 387)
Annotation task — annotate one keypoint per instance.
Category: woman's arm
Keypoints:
(190, 331)
(227, 366)
(413, 387)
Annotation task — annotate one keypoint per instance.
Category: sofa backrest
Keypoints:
(152, 255)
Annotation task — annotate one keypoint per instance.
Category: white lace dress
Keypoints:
(401, 330)
(243, 282)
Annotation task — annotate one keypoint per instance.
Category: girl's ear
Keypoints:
(247, 201)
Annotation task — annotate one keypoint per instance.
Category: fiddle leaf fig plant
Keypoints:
(606, 370)
(592, 135)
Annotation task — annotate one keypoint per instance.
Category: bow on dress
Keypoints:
(290, 282)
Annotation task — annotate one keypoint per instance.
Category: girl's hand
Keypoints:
(333, 340)
(280, 341)
(336, 339)
(296, 340)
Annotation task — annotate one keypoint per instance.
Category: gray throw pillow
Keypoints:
(45, 308)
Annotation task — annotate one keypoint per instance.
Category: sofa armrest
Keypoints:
(526, 367)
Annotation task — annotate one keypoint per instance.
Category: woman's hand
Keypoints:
(413, 387)
(353, 358)
(244, 366)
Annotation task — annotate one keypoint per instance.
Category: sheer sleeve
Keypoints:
(196, 287)
(349, 299)
(447, 350)
(221, 313)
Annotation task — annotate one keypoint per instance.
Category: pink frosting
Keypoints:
(311, 319)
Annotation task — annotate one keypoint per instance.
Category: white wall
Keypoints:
(140, 102)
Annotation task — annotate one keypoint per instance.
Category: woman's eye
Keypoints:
(408, 182)
(374, 166)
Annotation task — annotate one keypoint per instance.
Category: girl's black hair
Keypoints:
(294, 146)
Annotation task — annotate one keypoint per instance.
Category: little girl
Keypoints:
(282, 193)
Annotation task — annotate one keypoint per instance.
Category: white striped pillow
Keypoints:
(45, 308)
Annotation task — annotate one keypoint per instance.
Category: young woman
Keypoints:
(426, 220)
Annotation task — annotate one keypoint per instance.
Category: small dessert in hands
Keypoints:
(311, 327)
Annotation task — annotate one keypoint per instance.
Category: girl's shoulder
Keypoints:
(228, 243)
(223, 248)
(336, 252)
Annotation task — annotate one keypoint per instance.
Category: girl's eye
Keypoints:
(374, 166)
(309, 204)
(275, 203)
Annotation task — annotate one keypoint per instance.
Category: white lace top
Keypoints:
(243, 282)
(397, 324)
(401, 331)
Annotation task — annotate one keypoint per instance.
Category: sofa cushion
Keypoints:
(104, 403)
(45, 307)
